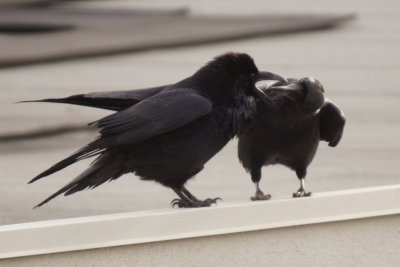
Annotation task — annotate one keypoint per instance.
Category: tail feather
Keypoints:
(104, 169)
(58, 166)
(114, 100)
(65, 189)
(83, 100)
(90, 150)
(62, 190)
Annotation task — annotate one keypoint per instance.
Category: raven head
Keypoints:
(237, 73)
(306, 92)
(314, 93)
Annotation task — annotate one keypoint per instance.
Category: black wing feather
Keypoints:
(115, 100)
(104, 168)
(156, 115)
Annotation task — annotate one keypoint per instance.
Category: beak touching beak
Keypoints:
(262, 76)
(290, 91)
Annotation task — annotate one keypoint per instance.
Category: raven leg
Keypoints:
(260, 194)
(301, 174)
(187, 200)
(256, 177)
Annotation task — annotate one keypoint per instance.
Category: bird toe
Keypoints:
(260, 196)
(210, 201)
(302, 193)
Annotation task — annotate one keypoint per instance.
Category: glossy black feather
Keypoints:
(154, 116)
(115, 100)
(103, 169)
(168, 136)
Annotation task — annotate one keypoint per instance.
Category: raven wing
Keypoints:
(153, 116)
(114, 100)
(332, 121)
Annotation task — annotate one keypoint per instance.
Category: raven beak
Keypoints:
(265, 75)
(290, 91)
(262, 76)
(288, 87)
(260, 94)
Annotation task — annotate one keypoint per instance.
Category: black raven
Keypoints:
(167, 133)
(289, 131)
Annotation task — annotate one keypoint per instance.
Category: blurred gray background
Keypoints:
(358, 62)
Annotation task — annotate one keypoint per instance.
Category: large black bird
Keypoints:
(289, 131)
(167, 133)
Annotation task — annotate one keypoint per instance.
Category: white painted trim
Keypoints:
(158, 225)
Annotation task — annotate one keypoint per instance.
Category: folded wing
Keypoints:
(153, 116)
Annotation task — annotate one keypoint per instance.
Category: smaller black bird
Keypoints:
(289, 131)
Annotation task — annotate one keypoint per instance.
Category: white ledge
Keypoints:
(159, 225)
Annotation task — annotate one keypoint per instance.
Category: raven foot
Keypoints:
(187, 203)
(302, 193)
(260, 196)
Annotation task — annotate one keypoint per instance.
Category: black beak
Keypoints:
(265, 75)
(290, 91)
(262, 76)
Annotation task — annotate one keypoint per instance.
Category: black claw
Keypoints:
(301, 193)
(174, 200)
(214, 200)
(260, 196)
(194, 204)
(211, 200)
(182, 203)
